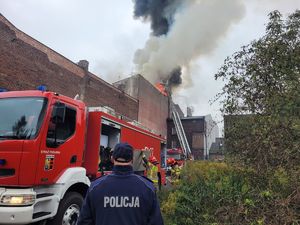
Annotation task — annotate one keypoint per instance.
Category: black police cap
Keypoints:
(123, 152)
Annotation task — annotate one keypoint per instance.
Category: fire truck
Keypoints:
(175, 155)
(52, 147)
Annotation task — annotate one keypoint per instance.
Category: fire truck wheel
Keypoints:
(68, 210)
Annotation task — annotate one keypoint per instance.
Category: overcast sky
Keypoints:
(105, 33)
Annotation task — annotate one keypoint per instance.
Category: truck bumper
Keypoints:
(44, 206)
(16, 215)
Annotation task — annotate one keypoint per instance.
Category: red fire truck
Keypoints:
(52, 147)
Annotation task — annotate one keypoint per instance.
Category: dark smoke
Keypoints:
(161, 15)
(155, 11)
(175, 77)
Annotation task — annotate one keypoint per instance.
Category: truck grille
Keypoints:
(7, 172)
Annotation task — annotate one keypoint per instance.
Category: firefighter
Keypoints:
(153, 170)
(175, 173)
(170, 162)
(121, 198)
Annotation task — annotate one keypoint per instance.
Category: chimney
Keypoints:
(189, 111)
(84, 64)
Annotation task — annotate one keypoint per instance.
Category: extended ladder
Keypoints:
(181, 135)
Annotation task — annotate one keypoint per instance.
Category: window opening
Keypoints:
(62, 125)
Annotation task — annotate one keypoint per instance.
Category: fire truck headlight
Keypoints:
(17, 200)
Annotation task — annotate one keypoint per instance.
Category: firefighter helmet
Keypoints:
(153, 160)
(171, 161)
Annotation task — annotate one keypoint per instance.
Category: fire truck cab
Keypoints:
(52, 147)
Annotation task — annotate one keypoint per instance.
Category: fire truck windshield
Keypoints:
(21, 118)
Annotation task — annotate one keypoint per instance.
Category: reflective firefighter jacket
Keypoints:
(152, 173)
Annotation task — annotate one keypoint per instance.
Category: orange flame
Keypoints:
(161, 87)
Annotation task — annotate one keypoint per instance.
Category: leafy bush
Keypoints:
(216, 193)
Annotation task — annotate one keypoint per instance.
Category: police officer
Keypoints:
(121, 198)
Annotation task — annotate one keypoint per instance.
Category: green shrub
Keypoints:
(216, 193)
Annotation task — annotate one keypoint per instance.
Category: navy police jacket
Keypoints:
(121, 198)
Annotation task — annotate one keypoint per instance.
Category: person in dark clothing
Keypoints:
(121, 198)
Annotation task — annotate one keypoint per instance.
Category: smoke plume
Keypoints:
(175, 77)
(183, 30)
(160, 13)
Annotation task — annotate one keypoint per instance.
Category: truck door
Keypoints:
(58, 150)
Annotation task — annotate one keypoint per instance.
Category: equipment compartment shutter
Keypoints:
(110, 123)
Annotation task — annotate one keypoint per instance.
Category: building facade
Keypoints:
(153, 105)
(25, 63)
(200, 132)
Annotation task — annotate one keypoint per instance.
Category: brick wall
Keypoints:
(153, 106)
(193, 126)
(26, 63)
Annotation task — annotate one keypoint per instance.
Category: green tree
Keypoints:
(261, 101)
(262, 95)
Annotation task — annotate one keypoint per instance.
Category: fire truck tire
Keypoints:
(68, 210)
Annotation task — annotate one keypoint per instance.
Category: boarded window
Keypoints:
(198, 141)
(174, 144)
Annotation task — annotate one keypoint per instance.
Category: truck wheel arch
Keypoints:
(76, 188)
(73, 180)
(80, 188)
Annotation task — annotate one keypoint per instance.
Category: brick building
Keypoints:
(201, 132)
(153, 105)
(25, 63)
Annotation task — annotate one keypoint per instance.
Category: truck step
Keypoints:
(40, 214)
(43, 195)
